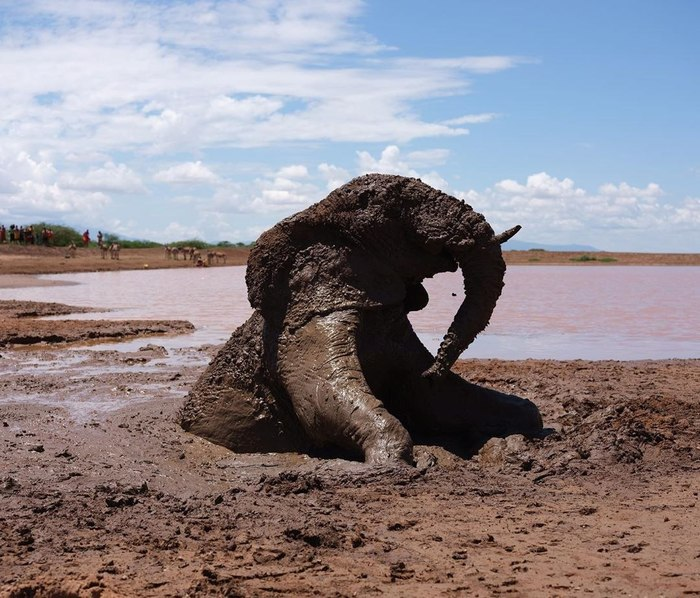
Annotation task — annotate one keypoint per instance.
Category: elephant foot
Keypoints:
(320, 371)
(499, 414)
(390, 445)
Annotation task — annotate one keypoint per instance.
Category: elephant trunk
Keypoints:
(483, 270)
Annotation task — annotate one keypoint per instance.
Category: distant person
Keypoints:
(86, 238)
(3, 234)
(99, 238)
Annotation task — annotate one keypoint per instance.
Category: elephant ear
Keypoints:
(274, 256)
(267, 272)
(272, 261)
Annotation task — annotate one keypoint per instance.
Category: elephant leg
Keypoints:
(458, 406)
(436, 405)
(320, 371)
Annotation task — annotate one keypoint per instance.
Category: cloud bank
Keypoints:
(188, 115)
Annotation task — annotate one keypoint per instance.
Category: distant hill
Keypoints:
(515, 245)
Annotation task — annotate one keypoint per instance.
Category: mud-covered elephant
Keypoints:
(329, 358)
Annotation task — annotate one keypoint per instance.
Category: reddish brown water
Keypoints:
(558, 312)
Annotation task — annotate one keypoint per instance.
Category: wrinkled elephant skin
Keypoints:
(329, 359)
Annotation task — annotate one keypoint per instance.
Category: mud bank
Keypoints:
(102, 494)
(20, 325)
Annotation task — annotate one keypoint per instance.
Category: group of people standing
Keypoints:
(25, 235)
(86, 238)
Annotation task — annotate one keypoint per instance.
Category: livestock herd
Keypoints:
(112, 249)
(195, 255)
(16, 235)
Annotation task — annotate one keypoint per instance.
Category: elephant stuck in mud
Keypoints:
(328, 361)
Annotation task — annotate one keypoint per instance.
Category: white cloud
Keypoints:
(137, 76)
(188, 173)
(245, 109)
(295, 171)
(625, 190)
(282, 194)
(35, 200)
(392, 162)
(335, 176)
(472, 119)
(175, 231)
(389, 162)
(23, 166)
(31, 190)
(292, 187)
(687, 215)
(474, 64)
(430, 157)
(95, 93)
(556, 210)
(109, 178)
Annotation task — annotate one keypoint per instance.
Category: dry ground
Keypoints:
(34, 259)
(102, 494)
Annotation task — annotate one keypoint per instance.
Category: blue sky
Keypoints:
(174, 120)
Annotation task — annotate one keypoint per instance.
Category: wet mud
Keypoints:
(22, 324)
(103, 494)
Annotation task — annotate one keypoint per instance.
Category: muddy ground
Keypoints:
(102, 494)
(22, 324)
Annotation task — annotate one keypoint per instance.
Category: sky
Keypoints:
(214, 120)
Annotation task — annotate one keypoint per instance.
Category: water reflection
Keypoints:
(557, 312)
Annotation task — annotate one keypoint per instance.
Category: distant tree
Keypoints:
(230, 244)
(197, 243)
(110, 238)
(138, 244)
(62, 235)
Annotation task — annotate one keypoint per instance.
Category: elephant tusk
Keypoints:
(505, 235)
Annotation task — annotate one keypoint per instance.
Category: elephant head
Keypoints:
(482, 269)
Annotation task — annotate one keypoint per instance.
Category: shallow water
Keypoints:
(557, 312)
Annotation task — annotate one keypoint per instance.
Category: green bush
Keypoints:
(583, 258)
(65, 235)
(196, 243)
(230, 244)
(62, 235)
(137, 244)
(110, 238)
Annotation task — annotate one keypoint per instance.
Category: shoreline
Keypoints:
(35, 260)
